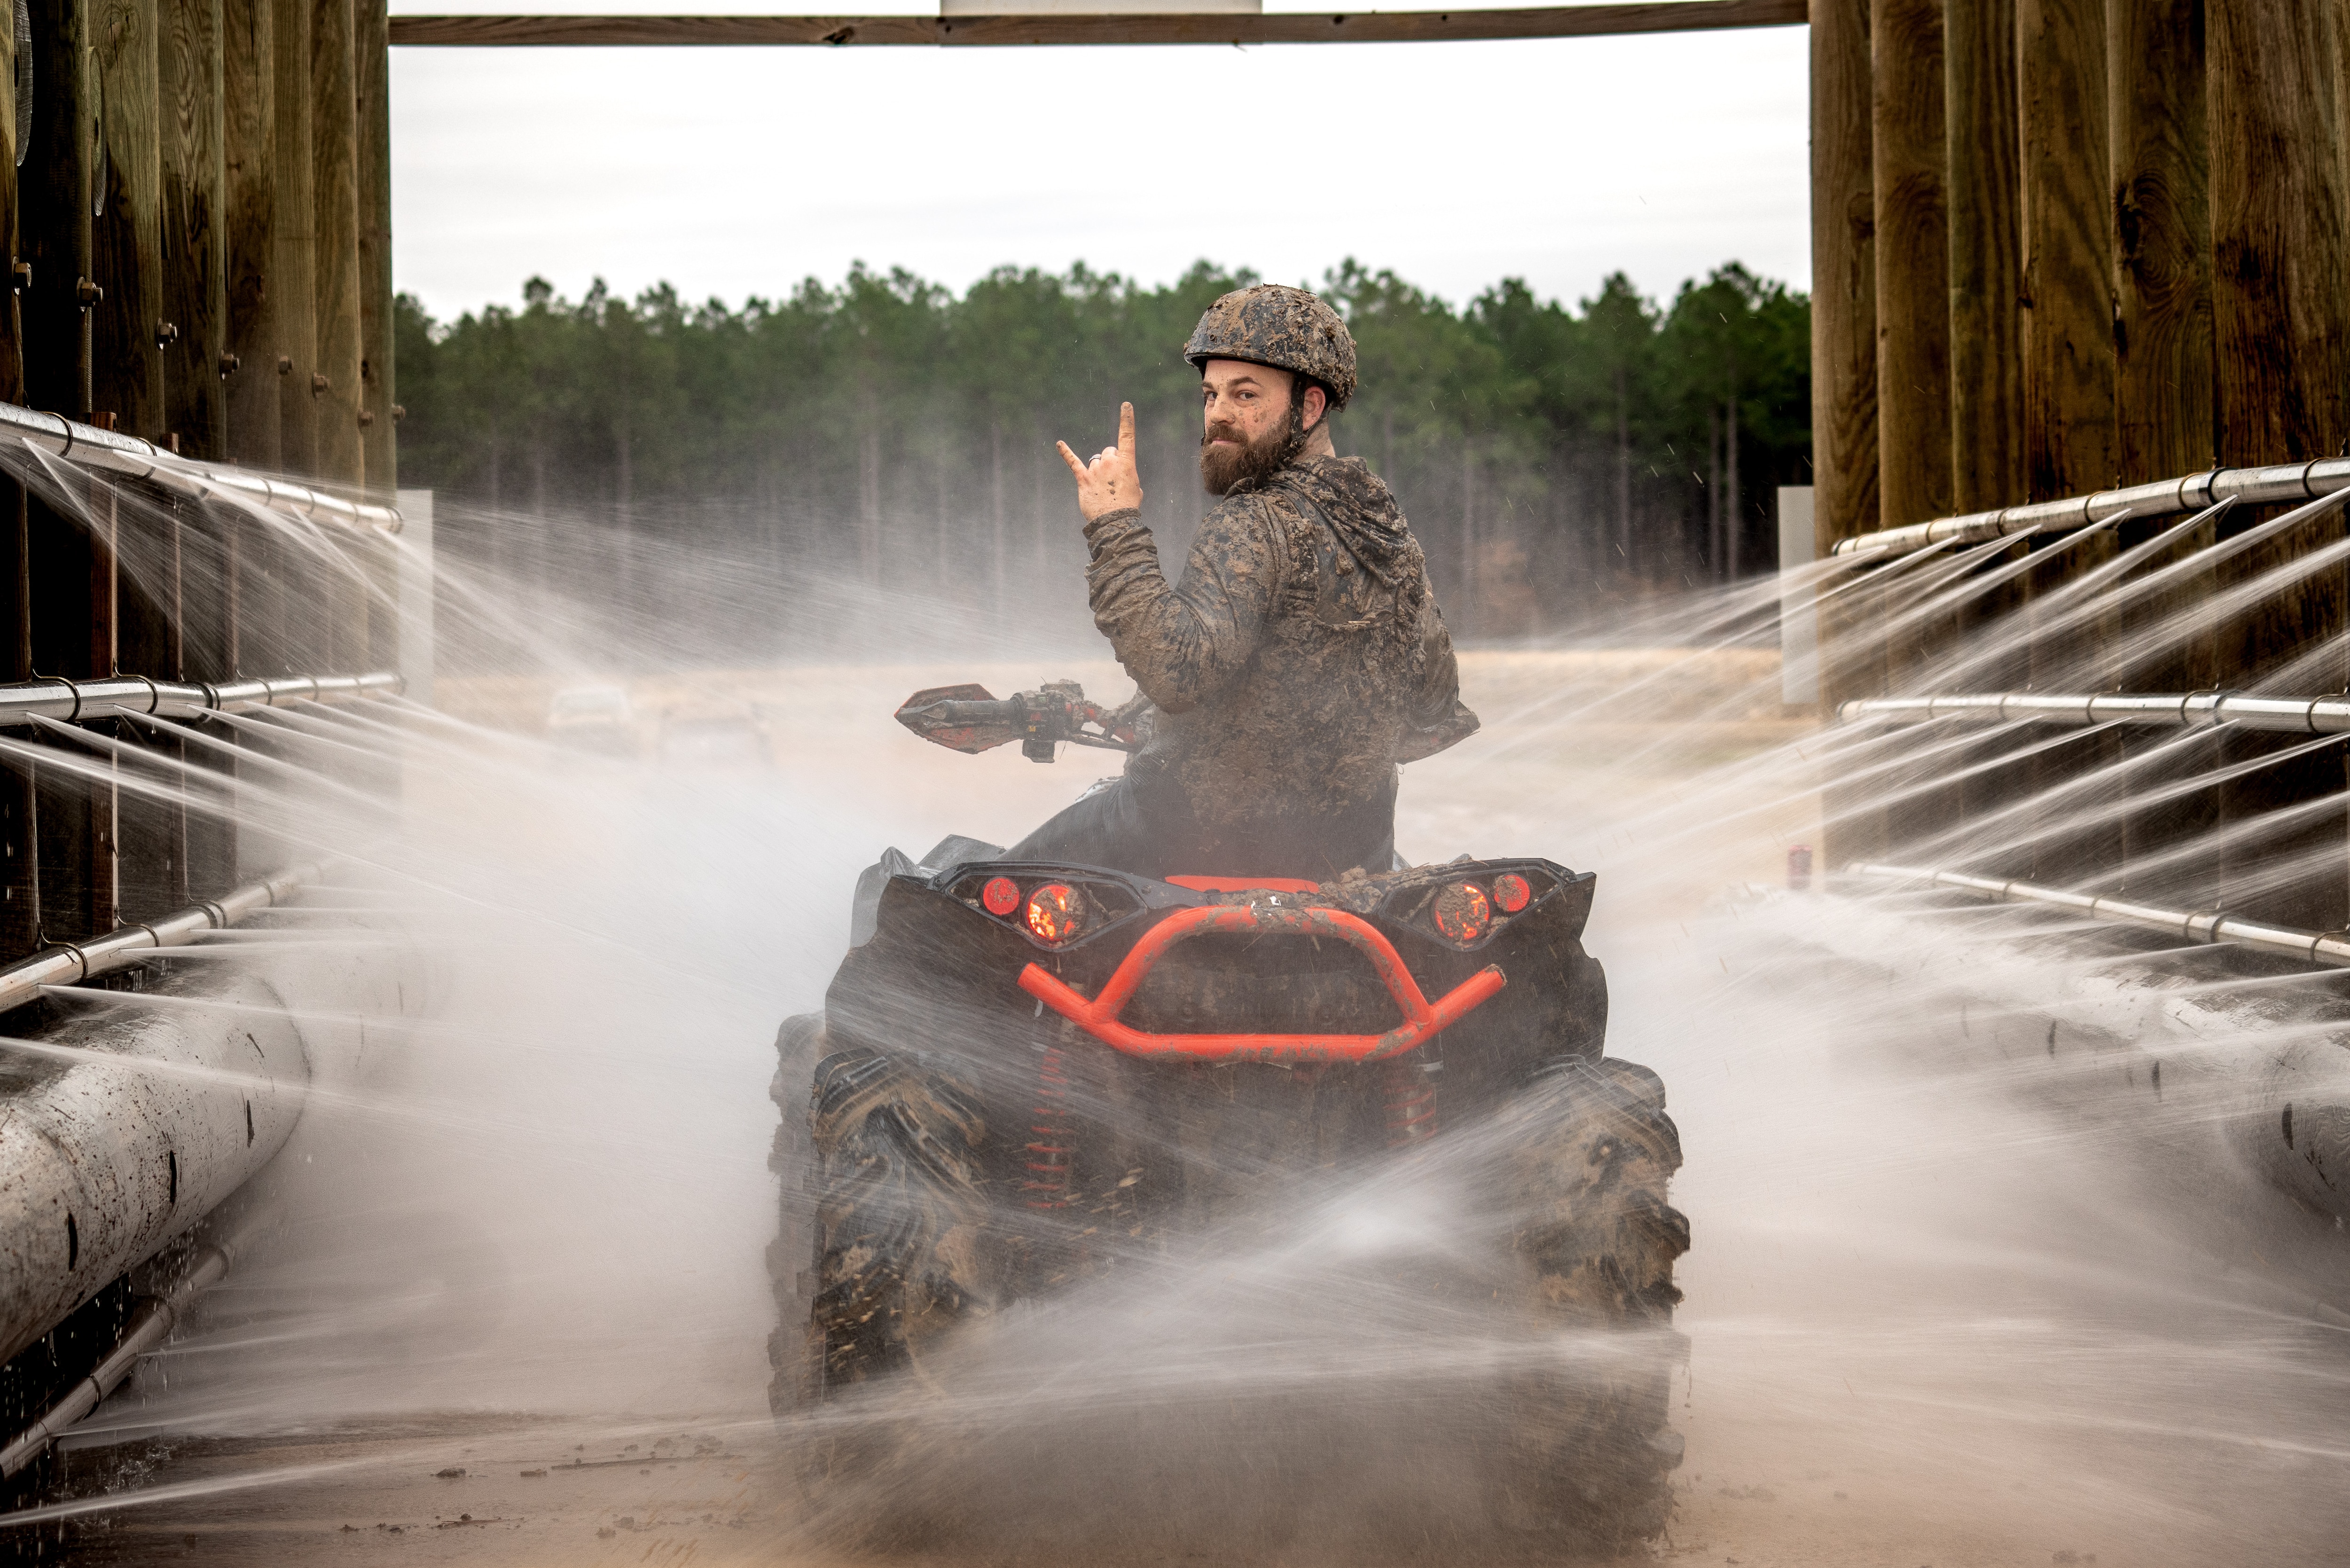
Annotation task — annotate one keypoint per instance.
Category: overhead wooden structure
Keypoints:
(1225, 30)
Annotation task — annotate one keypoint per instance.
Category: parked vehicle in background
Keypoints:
(596, 719)
(701, 735)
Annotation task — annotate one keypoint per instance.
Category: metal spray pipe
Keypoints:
(2164, 498)
(69, 963)
(127, 454)
(2192, 709)
(86, 701)
(2331, 948)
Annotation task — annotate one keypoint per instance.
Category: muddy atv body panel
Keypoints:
(1027, 1075)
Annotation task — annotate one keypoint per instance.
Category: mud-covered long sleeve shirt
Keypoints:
(1300, 657)
(1182, 645)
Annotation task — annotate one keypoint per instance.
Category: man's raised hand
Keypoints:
(1111, 481)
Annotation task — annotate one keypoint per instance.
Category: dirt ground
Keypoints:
(1776, 1477)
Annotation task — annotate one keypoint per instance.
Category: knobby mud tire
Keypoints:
(799, 1045)
(1587, 1465)
(898, 1220)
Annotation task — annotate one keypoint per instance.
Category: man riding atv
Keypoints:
(1208, 993)
(1303, 655)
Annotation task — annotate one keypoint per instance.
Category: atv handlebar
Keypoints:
(971, 719)
(1000, 711)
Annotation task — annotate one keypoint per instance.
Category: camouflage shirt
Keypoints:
(1299, 660)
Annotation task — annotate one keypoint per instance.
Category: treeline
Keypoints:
(890, 433)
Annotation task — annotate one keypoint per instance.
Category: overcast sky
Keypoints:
(739, 172)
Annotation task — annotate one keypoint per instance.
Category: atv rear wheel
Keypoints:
(1589, 1458)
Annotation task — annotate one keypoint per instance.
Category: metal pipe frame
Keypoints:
(88, 702)
(149, 1327)
(138, 459)
(2190, 710)
(2326, 948)
(2163, 498)
(71, 963)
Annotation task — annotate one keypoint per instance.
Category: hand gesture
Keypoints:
(1109, 482)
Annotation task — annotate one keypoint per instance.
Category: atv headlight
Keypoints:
(1462, 912)
(1056, 912)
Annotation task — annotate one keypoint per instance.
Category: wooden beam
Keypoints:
(2068, 320)
(12, 346)
(1844, 276)
(250, 154)
(2162, 239)
(194, 296)
(1986, 257)
(294, 278)
(2279, 329)
(335, 190)
(53, 208)
(1384, 27)
(378, 389)
(127, 218)
(1913, 253)
(1844, 375)
(2277, 230)
(2164, 395)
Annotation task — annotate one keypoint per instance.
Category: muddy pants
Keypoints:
(1155, 833)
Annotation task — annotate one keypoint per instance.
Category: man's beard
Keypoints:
(1224, 468)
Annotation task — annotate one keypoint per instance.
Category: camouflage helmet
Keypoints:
(1288, 328)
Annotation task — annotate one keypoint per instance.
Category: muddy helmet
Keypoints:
(1285, 327)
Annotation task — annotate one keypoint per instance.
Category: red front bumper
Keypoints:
(1423, 1020)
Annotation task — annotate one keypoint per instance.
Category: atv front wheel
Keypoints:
(798, 1045)
(1589, 1458)
(899, 1214)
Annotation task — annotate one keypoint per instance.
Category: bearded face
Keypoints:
(1227, 457)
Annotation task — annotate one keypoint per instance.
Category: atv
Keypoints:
(1024, 1073)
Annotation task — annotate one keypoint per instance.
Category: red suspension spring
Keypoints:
(1047, 1185)
(1410, 1098)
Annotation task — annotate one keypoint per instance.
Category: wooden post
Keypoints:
(1986, 330)
(2279, 326)
(127, 218)
(1844, 276)
(2068, 318)
(380, 460)
(2163, 370)
(294, 280)
(2162, 239)
(2069, 436)
(1912, 253)
(249, 153)
(12, 346)
(1986, 257)
(150, 837)
(99, 863)
(335, 156)
(19, 888)
(53, 208)
(2277, 222)
(194, 297)
(1844, 364)
(126, 377)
